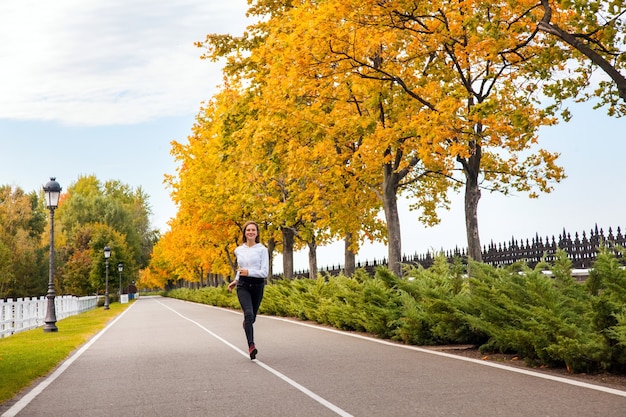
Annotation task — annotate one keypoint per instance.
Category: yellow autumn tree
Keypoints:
(354, 126)
(286, 154)
(468, 79)
(345, 100)
(210, 190)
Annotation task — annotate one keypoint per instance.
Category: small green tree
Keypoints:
(93, 215)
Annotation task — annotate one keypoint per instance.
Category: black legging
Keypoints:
(250, 294)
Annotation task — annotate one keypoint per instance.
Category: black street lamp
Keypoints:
(120, 268)
(52, 192)
(107, 255)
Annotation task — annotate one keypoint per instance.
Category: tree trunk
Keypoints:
(472, 196)
(349, 257)
(312, 258)
(199, 274)
(390, 206)
(471, 168)
(271, 246)
(288, 237)
(232, 261)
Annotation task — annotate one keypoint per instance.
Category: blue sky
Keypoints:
(103, 87)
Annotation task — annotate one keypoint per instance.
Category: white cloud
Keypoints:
(108, 62)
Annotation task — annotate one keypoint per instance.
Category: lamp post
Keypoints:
(52, 191)
(120, 268)
(107, 255)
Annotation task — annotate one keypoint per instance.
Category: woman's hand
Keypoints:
(231, 286)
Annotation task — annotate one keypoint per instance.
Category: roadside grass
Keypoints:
(32, 354)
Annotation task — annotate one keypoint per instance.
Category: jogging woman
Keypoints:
(252, 270)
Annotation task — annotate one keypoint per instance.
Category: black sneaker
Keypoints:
(252, 350)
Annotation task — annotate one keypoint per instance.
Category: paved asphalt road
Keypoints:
(170, 358)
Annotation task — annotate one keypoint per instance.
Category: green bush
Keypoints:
(607, 286)
(543, 314)
(432, 301)
(545, 319)
(217, 296)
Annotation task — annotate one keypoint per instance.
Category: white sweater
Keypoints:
(255, 259)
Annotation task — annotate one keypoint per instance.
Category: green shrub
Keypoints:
(547, 318)
(432, 305)
(217, 296)
(618, 332)
(607, 286)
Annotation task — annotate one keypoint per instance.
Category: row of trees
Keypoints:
(90, 216)
(330, 111)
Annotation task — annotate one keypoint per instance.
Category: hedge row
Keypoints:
(548, 319)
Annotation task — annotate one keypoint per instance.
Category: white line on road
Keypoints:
(563, 380)
(462, 358)
(26, 399)
(268, 368)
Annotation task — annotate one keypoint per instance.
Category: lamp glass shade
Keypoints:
(107, 252)
(52, 191)
(120, 267)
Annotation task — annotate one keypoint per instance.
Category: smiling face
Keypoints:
(251, 233)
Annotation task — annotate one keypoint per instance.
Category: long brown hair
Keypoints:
(258, 233)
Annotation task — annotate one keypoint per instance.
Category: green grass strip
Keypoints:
(32, 354)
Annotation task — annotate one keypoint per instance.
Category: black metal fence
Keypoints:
(582, 250)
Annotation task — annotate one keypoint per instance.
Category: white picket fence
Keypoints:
(28, 313)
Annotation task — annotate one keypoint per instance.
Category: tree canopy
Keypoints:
(90, 216)
(332, 110)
